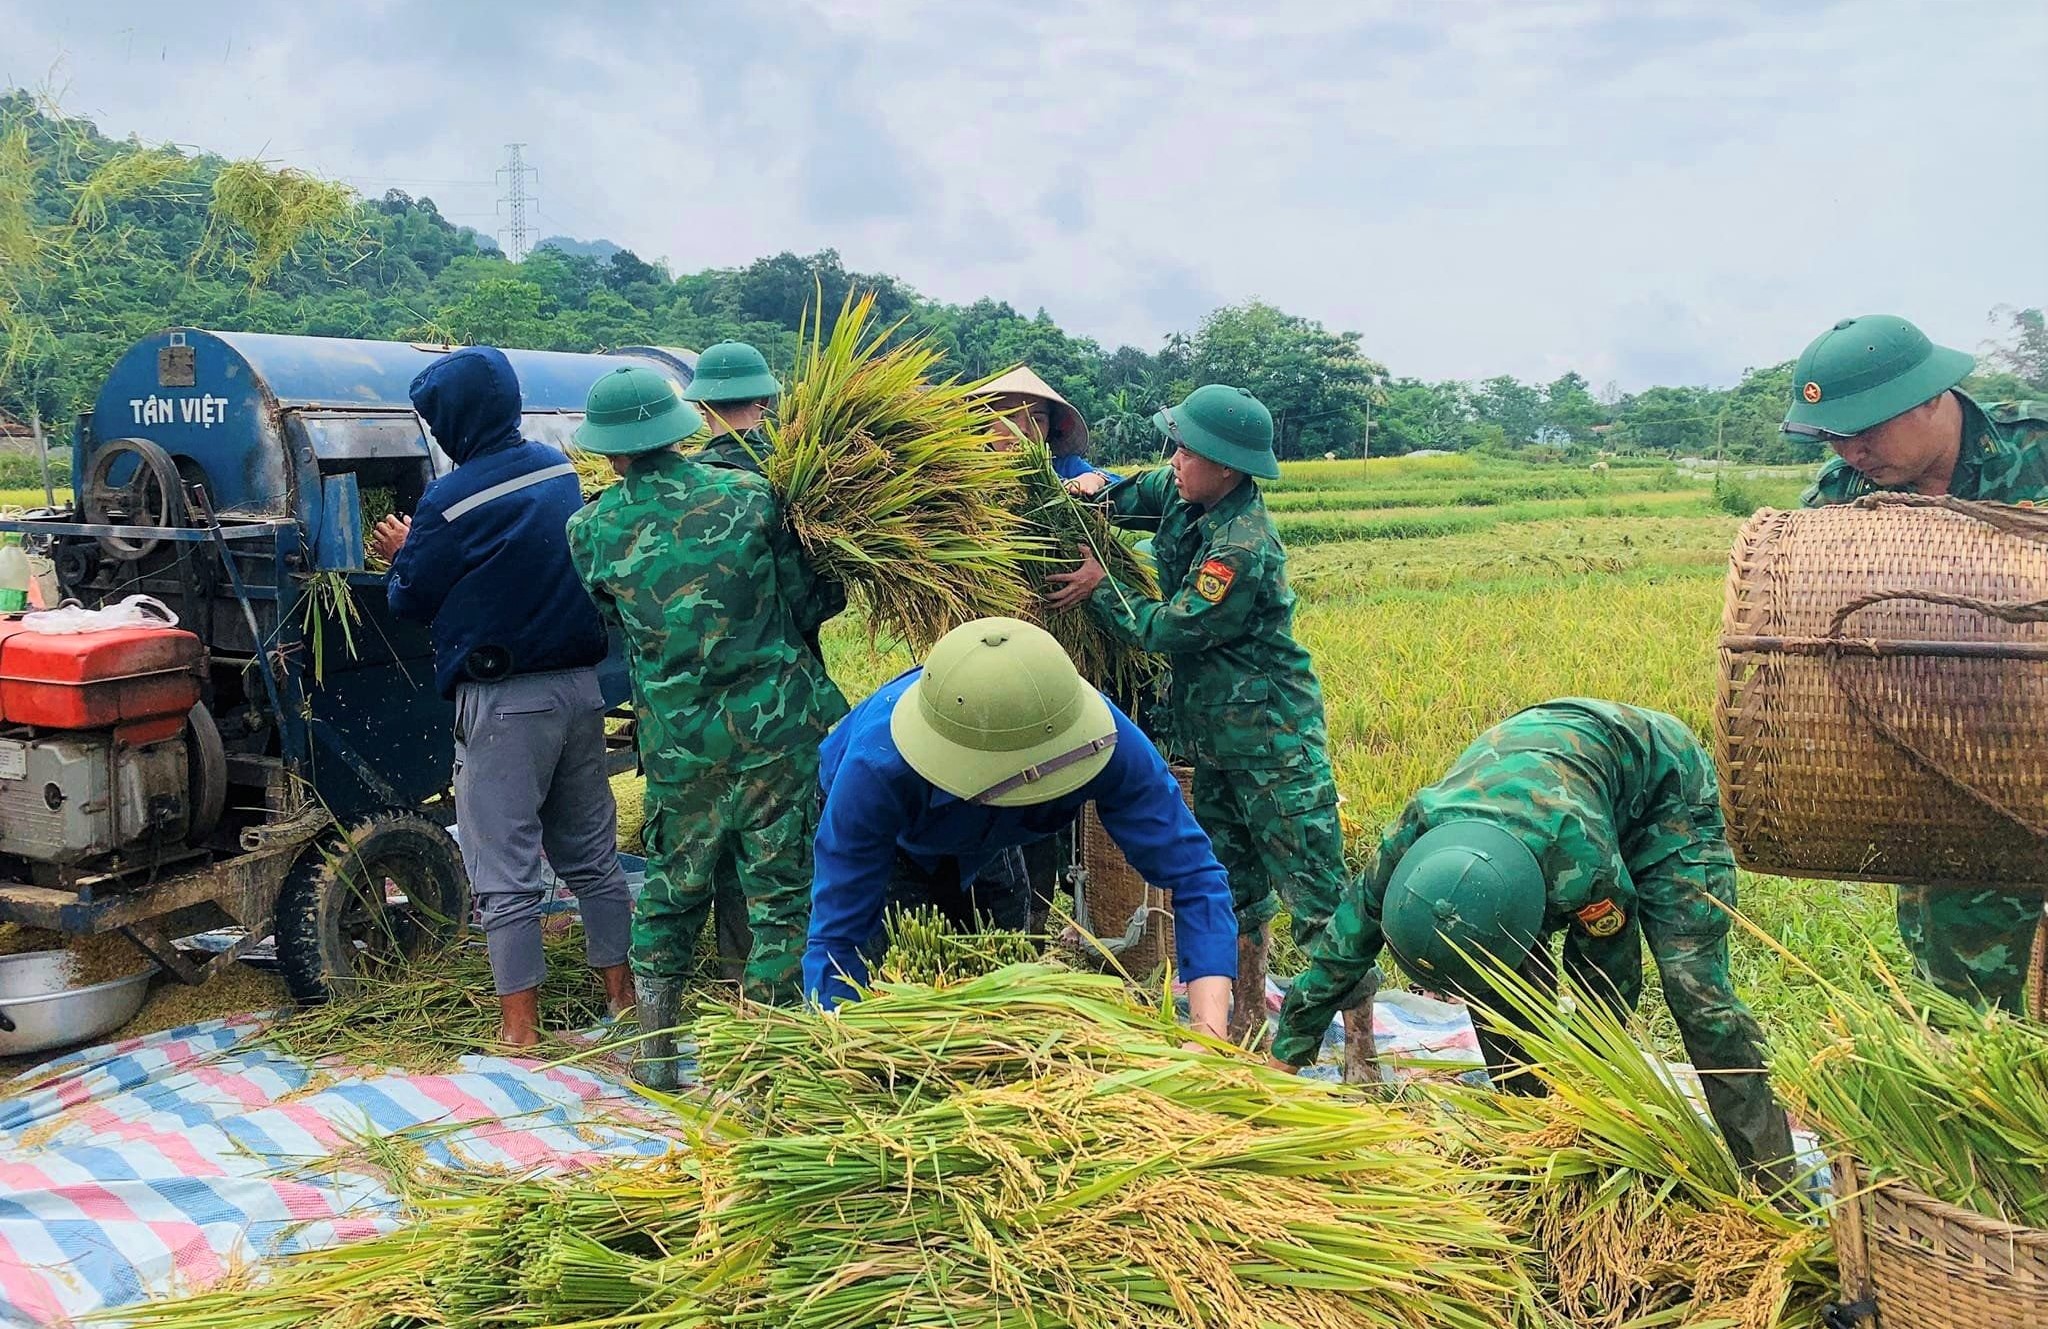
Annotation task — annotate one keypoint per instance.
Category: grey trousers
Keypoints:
(529, 776)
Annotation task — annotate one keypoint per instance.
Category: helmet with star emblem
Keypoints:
(1864, 371)
(1226, 425)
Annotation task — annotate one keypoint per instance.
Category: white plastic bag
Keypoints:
(137, 611)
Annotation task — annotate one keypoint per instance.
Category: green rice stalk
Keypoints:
(1924, 1088)
(891, 482)
(924, 947)
(326, 597)
(1111, 663)
(1635, 1208)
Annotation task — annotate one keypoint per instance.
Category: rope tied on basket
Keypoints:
(2023, 523)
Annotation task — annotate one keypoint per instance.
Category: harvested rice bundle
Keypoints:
(1922, 1087)
(1087, 1171)
(925, 948)
(1068, 525)
(891, 481)
(1635, 1209)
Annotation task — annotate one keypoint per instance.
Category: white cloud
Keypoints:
(1634, 190)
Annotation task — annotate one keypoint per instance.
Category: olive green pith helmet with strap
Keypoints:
(1465, 886)
(1001, 716)
(634, 409)
(1864, 371)
(1226, 425)
(732, 371)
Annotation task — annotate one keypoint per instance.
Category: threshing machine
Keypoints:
(258, 768)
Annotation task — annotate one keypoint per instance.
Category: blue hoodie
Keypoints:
(487, 562)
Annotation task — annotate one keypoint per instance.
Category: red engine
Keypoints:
(95, 754)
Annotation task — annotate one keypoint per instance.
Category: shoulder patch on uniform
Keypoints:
(1602, 918)
(1212, 580)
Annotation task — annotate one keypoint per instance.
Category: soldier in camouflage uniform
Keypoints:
(734, 391)
(1588, 818)
(713, 596)
(1885, 399)
(1243, 702)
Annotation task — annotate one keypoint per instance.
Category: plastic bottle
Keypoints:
(13, 575)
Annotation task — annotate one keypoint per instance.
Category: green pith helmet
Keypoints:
(1001, 716)
(1227, 425)
(635, 409)
(1863, 371)
(731, 371)
(1469, 885)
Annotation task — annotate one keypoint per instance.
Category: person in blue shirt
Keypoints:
(995, 743)
(1037, 412)
(517, 642)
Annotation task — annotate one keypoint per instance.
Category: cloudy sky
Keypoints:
(1644, 190)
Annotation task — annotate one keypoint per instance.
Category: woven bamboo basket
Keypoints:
(1115, 892)
(1883, 704)
(1909, 1261)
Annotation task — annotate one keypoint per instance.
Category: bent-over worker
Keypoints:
(1243, 701)
(1595, 820)
(995, 742)
(1886, 400)
(714, 597)
(516, 647)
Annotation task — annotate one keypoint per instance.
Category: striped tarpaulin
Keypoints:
(163, 1162)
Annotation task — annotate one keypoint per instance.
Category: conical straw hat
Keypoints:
(1069, 430)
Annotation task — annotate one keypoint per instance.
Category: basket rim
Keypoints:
(1980, 1224)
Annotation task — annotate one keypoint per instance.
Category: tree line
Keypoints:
(152, 237)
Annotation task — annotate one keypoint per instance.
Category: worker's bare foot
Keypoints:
(519, 1018)
(618, 987)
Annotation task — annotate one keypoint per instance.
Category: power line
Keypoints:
(516, 198)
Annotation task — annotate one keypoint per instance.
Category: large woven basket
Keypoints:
(1114, 892)
(1883, 703)
(1909, 1261)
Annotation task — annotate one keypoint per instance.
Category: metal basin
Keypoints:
(47, 1013)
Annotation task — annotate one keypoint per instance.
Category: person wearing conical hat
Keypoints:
(1243, 700)
(1888, 402)
(713, 596)
(1040, 414)
(995, 742)
(734, 392)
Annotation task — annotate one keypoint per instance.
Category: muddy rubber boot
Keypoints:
(657, 1004)
(1248, 998)
(1361, 1055)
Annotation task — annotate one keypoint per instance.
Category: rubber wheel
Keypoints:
(389, 890)
(206, 773)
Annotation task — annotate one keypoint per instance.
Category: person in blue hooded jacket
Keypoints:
(997, 742)
(517, 640)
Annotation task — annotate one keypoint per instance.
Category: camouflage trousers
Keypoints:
(751, 830)
(1276, 834)
(1971, 944)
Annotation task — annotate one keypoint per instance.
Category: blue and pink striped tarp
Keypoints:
(161, 1163)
